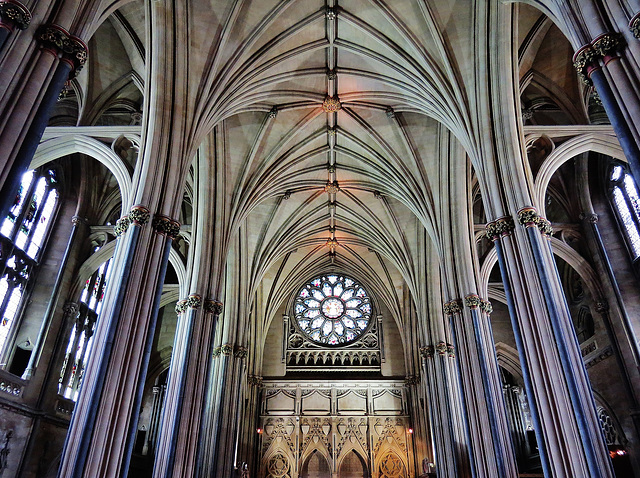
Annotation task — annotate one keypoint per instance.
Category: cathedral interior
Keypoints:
(319, 238)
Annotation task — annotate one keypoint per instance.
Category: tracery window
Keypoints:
(23, 234)
(626, 202)
(81, 339)
(333, 309)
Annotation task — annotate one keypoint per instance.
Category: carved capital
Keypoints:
(139, 216)
(528, 217)
(451, 351)
(545, 226)
(14, 14)
(122, 225)
(441, 348)
(608, 44)
(634, 25)
(226, 349)
(427, 352)
(452, 307)
(165, 226)
(486, 307)
(181, 306)
(472, 301)
(502, 226)
(194, 301)
(68, 47)
(213, 306)
(240, 352)
(254, 380)
(216, 352)
(584, 60)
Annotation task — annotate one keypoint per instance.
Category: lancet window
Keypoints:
(81, 338)
(626, 202)
(23, 235)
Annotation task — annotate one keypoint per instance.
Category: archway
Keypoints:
(316, 466)
(353, 466)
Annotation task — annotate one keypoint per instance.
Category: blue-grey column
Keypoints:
(495, 230)
(575, 373)
(73, 54)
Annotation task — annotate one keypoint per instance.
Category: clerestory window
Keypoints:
(626, 203)
(23, 235)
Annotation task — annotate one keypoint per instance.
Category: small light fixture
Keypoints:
(259, 431)
(410, 431)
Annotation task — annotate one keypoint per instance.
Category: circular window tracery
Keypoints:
(333, 309)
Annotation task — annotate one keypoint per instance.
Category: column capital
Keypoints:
(137, 216)
(213, 306)
(67, 47)
(503, 226)
(486, 307)
(165, 226)
(411, 380)
(71, 309)
(472, 301)
(14, 14)
(452, 307)
(608, 44)
(427, 351)
(442, 348)
(634, 25)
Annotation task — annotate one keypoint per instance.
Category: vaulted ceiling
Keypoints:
(311, 184)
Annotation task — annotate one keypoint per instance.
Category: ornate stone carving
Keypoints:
(500, 227)
(332, 187)
(72, 50)
(215, 353)
(390, 113)
(14, 14)
(441, 348)
(331, 14)
(226, 349)
(273, 112)
(427, 351)
(331, 104)
(194, 301)
(181, 306)
(240, 352)
(486, 307)
(472, 301)
(545, 226)
(121, 226)
(213, 306)
(139, 216)
(602, 306)
(584, 59)
(451, 352)
(528, 217)
(71, 309)
(254, 380)
(165, 226)
(634, 25)
(608, 44)
(452, 307)
(332, 74)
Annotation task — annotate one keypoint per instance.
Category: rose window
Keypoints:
(333, 309)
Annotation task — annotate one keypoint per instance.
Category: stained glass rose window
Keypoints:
(333, 309)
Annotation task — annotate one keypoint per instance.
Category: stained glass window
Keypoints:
(333, 309)
(626, 202)
(80, 341)
(22, 236)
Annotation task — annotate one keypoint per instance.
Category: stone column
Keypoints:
(102, 430)
(490, 448)
(558, 391)
(187, 385)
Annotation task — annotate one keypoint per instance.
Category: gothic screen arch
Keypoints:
(333, 309)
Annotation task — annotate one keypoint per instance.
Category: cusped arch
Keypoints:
(61, 146)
